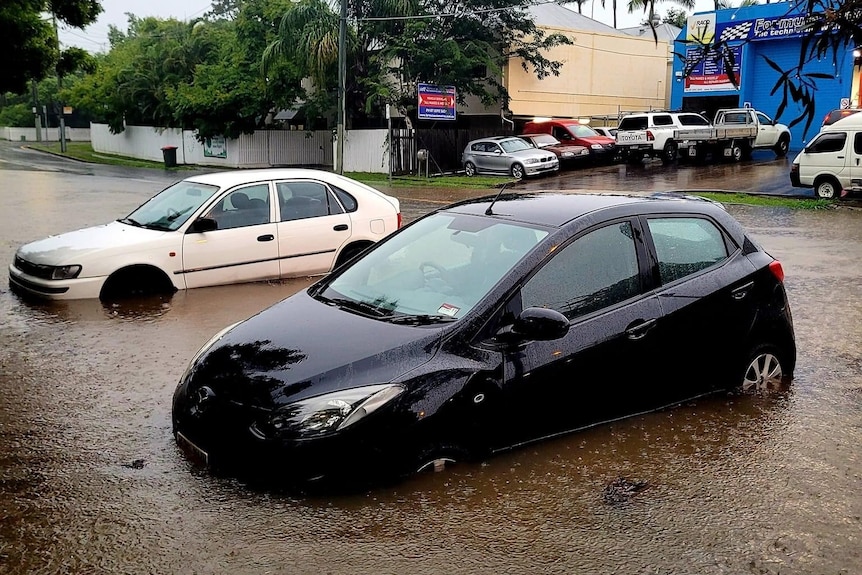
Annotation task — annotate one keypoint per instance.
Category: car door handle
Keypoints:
(340, 227)
(639, 328)
(742, 291)
(840, 157)
(265, 238)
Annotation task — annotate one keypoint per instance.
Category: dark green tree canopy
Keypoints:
(28, 42)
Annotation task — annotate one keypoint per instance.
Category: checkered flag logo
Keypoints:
(738, 32)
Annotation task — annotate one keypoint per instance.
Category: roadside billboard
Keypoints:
(436, 102)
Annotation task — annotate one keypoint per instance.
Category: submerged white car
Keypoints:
(213, 229)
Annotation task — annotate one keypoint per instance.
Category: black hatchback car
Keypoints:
(488, 324)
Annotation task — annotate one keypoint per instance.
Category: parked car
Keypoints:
(567, 155)
(485, 325)
(834, 115)
(573, 133)
(507, 155)
(829, 163)
(220, 228)
(654, 134)
(604, 131)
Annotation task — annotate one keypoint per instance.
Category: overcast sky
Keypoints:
(95, 37)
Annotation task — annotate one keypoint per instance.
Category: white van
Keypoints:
(832, 161)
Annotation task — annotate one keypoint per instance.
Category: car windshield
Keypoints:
(544, 140)
(170, 208)
(434, 271)
(515, 145)
(582, 131)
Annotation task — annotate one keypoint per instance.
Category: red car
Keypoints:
(571, 133)
(568, 155)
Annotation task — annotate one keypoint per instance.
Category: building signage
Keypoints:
(703, 28)
(708, 69)
(436, 102)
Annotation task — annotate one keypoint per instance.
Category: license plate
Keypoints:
(192, 451)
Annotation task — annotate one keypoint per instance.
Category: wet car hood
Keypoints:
(302, 348)
(602, 140)
(71, 246)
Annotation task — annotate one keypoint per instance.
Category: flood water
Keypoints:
(91, 480)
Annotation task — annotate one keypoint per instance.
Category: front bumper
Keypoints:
(533, 169)
(79, 288)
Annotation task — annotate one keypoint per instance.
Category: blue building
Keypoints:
(753, 34)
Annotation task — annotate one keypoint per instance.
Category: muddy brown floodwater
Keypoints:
(91, 480)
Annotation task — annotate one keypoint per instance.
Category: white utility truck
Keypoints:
(734, 134)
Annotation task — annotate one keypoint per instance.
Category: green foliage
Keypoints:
(394, 45)
(675, 17)
(28, 43)
(18, 115)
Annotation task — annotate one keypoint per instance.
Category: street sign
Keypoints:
(436, 102)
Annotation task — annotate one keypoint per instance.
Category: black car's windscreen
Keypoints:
(440, 266)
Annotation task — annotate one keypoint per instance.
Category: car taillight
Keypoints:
(399, 221)
(777, 270)
(649, 136)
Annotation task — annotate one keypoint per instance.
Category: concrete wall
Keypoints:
(602, 74)
(47, 134)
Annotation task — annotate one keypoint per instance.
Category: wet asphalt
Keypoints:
(91, 480)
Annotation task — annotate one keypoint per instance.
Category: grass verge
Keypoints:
(84, 151)
(767, 201)
(433, 182)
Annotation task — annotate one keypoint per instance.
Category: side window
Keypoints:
(595, 271)
(763, 118)
(478, 147)
(827, 142)
(300, 200)
(348, 201)
(662, 120)
(562, 134)
(685, 246)
(247, 206)
(634, 123)
(857, 143)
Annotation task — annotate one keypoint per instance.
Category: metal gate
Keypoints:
(442, 148)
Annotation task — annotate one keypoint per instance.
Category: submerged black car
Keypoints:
(488, 324)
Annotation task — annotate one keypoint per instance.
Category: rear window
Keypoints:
(634, 123)
(692, 120)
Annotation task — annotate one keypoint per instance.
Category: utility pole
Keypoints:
(342, 88)
(59, 89)
(36, 117)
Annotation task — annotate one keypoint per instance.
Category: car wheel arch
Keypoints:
(136, 279)
(349, 251)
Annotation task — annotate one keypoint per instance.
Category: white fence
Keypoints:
(44, 135)
(364, 150)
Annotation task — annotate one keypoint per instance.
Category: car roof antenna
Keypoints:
(490, 211)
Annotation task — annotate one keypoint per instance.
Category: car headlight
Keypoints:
(597, 146)
(568, 154)
(531, 161)
(326, 414)
(65, 272)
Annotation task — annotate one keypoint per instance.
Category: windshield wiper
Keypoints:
(362, 307)
(420, 319)
(131, 222)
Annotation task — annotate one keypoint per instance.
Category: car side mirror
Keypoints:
(535, 324)
(201, 225)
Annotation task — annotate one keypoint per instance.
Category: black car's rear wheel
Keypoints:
(765, 370)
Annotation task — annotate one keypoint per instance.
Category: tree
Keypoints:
(28, 42)
(394, 45)
(675, 17)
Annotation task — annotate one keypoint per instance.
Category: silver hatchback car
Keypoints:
(507, 155)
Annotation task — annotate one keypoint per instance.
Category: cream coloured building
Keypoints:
(605, 71)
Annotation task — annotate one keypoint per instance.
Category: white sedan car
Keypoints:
(213, 229)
